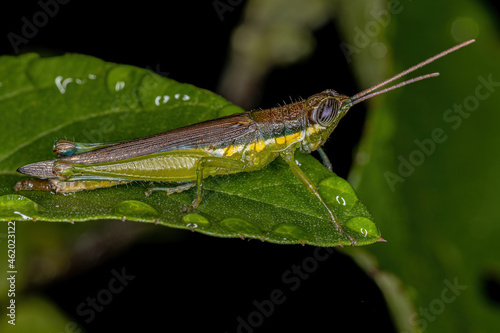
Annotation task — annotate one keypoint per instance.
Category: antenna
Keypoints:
(366, 94)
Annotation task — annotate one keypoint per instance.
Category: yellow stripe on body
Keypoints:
(288, 139)
(280, 140)
(232, 149)
(311, 130)
(255, 147)
(259, 146)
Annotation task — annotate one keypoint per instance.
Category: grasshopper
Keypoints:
(240, 142)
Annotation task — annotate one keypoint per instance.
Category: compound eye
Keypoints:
(327, 111)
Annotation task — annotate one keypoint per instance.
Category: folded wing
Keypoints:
(216, 132)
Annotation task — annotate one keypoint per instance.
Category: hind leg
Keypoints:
(170, 190)
(58, 186)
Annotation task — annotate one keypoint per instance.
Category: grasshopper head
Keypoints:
(323, 113)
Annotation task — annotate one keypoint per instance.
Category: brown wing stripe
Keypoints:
(40, 169)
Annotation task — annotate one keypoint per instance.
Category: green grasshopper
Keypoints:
(240, 142)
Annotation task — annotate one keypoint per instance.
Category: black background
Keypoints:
(187, 281)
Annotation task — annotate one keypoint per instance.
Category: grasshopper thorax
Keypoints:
(323, 112)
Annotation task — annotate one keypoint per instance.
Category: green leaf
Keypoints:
(440, 216)
(85, 99)
(39, 315)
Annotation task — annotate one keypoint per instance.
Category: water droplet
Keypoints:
(159, 100)
(186, 98)
(240, 227)
(62, 84)
(336, 189)
(192, 226)
(119, 85)
(194, 220)
(341, 200)
(24, 217)
(176, 96)
(365, 227)
(13, 206)
(289, 231)
(134, 208)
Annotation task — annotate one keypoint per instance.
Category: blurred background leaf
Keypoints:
(433, 165)
(40, 316)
